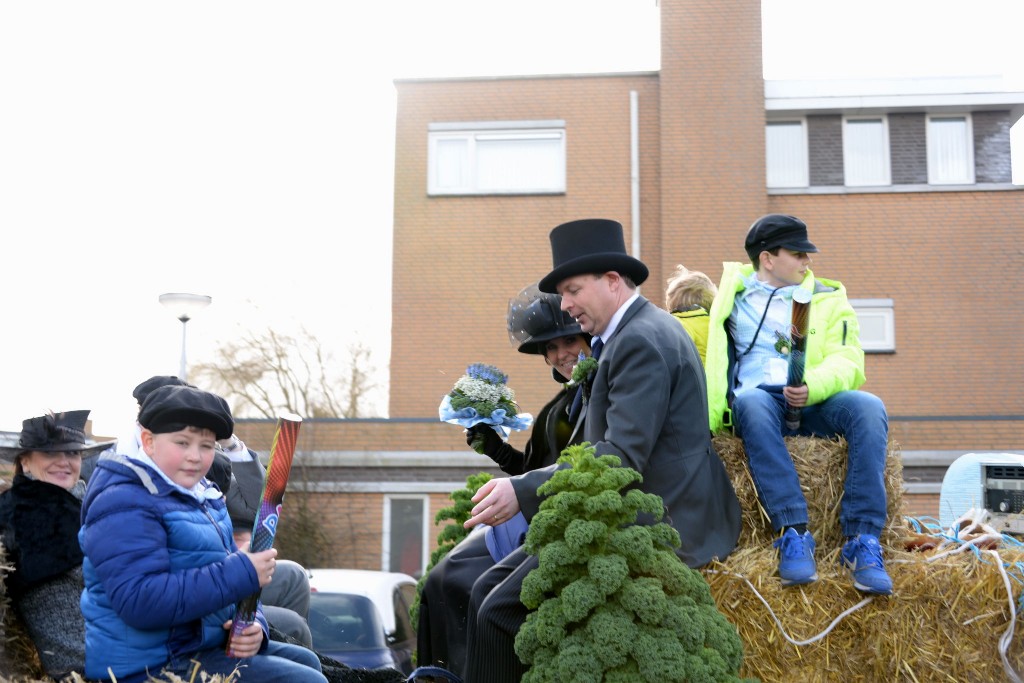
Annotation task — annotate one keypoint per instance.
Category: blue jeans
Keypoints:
(857, 416)
(279, 662)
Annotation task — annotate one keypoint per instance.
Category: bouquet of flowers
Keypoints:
(482, 396)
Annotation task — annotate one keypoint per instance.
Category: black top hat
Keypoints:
(535, 317)
(54, 433)
(777, 230)
(591, 245)
(155, 382)
(171, 408)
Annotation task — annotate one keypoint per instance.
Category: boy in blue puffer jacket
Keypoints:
(162, 572)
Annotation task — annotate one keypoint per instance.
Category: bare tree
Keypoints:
(264, 373)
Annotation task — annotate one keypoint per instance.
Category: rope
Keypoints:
(975, 525)
(1004, 640)
(973, 522)
(782, 629)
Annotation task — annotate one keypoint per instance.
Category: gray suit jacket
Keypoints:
(649, 407)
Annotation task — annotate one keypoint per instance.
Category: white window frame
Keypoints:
(801, 175)
(385, 562)
(968, 152)
(886, 155)
(882, 313)
(474, 133)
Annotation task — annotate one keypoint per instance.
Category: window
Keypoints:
(786, 154)
(496, 158)
(950, 151)
(405, 534)
(877, 324)
(866, 152)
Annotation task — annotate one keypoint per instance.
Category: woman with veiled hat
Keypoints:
(537, 325)
(39, 520)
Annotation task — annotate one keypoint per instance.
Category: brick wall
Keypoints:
(991, 147)
(908, 152)
(941, 256)
(712, 132)
(825, 150)
(457, 260)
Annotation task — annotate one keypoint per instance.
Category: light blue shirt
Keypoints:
(768, 361)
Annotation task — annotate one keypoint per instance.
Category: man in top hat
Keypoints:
(749, 343)
(647, 405)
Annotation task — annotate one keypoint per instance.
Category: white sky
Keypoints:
(218, 147)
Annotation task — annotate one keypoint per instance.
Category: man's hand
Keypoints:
(247, 643)
(796, 396)
(495, 502)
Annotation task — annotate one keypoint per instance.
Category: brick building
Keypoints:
(906, 188)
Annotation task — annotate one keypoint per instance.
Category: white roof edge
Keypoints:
(938, 85)
(1009, 100)
(890, 94)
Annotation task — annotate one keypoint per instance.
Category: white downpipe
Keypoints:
(634, 170)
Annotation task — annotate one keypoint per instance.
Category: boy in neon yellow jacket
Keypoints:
(749, 342)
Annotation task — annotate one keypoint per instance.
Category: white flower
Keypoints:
(479, 390)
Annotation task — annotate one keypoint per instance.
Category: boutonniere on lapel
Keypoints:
(582, 377)
(783, 345)
(582, 372)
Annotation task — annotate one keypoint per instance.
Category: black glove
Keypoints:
(486, 441)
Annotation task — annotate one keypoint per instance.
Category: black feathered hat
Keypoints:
(590, 245)
(54, 433)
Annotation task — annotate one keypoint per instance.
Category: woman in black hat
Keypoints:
(39, 522)
(538, 326)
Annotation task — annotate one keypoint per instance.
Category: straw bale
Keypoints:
(942, 623)
(18, 654)
(821, 466)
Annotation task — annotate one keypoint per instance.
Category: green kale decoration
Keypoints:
(612, 600)
(451, 534)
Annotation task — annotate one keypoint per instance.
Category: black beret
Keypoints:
(171, 407)
(154, 383)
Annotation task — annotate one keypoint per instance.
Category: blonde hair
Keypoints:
(688, 288)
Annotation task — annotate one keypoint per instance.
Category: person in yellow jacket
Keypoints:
(749, 344)
(688, 298)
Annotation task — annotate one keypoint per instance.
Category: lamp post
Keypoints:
(184, 306)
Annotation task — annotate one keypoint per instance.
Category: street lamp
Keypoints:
(184, 306)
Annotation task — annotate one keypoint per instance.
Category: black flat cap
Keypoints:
(777, 230)
(154, 383)
(170, 408)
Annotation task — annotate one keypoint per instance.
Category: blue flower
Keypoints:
(487, 373)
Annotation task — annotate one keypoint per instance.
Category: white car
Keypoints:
(361, 617)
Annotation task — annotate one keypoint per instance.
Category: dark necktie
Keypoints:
(577, 400)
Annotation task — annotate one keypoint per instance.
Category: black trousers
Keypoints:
(491, 656)
(441, 633)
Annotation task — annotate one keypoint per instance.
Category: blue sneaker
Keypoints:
(796, 558)
(862, 555)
